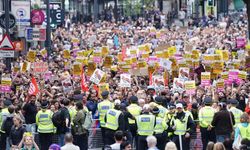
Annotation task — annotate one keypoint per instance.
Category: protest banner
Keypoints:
(67, 85)
(242, 75)
(190, 87)
(125, 80)
(25, 66)
(232, 75)
(91, 68)
(31, 56)
(40, 67)
(5, 85)
(167, 64)
(205, 78)
(240, 42)
(158, 82)
(183, 73)
(97, 76)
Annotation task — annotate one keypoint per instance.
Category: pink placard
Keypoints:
(240, 42)
(5, 89)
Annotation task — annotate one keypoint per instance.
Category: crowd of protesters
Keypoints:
(129, 114)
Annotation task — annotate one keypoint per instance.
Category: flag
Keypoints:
(33, 89)
(83, 83)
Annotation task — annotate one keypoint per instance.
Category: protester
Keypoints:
(125, 146)
(223, 122)
(118, 140)
(28, 142)
(170, 146)
(219, 146)
(152, 141)
(68, 139)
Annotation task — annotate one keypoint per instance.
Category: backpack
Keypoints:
(57, 119)
(7, 125)
(87, 121)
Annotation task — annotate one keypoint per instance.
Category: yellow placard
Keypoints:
(165, 54)
(220, 84)
(205, 76)
(91, 68)
(44, 53)
(105, 50)
(172, 50)
(159, 54)
(77, 69)
(31, 56)
(80, 54)
(208, 57)
(225, 55)
(119, 57)
(66, 54)
(145, 55)
(141, 64)
(128, 61)
(133, 60)
(217, 57)
(114, 68)
(107, 62)
(103, 87)
(242, 75)
(217, 67)
(224, 75)
(133, 52)
(6, 82)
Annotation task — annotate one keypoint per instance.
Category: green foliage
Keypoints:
(134, 7)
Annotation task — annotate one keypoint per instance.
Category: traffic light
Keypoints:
(210, 2)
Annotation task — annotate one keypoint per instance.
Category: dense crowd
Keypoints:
(144, 87)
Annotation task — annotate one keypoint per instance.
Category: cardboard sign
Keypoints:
(158, 82)
(44, 53)
(66, 54)
(190, 87)
(103, 87)
(220, 85)
(125, 80)
(178, 85)
(5, 85)
(97, 76)
(91, 68)
(67, 85)
(184, 73)
(242, 75)
(40, 67)
(205, 78)
(31, 56)
(25, 66)
(77, 69)
(167, 64)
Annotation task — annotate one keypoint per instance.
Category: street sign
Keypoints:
(12, 21)
(6, 43)
(21, 10)
(28, 35)
(6, 47)
(56, 13)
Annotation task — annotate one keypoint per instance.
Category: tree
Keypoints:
(247, 2)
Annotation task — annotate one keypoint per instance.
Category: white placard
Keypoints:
(125, 80)
(97, 76)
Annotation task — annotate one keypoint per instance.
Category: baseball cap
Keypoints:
(179, 105)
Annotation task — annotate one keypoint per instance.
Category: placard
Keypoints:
(125, 80)
(190, 87)
(205, 78)
(31, 56)
(97, 76)
(5, 85)
(40, 67)
(77, 69)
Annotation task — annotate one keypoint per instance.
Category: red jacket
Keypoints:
(247, 109)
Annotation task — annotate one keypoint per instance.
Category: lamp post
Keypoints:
(48, 30)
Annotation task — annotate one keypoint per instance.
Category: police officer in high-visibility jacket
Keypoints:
(103, 107)
(236, 112)
(45, 126)
(170, 121)
(4, 114)
(160, 129)
(114, 120)
(242, 129)
(163, 111)
(135, 110)
(183, 127)
(145, 126)
(206, 115)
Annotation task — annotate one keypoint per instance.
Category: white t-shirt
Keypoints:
(70, 146)
(115, 146)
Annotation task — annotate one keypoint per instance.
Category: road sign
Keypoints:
(56, 13)
(6, 43)
(28, 35)
(21, 10)
(6, 47)
(12, 21)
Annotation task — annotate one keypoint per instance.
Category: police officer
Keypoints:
(45, 126)
(163, 111)
(4, 114)
(183, 127)
(160, 129)
(114, 120)
(243, 128)
(145, 126)
(206, 115)
(236, 112)
(186, 110)
(135, 110)
(170, 121)
(103, 107)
